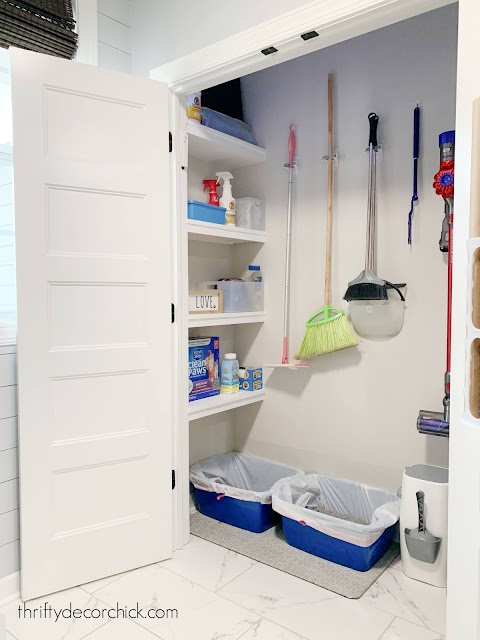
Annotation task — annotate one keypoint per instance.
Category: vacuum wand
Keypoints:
(433, 422)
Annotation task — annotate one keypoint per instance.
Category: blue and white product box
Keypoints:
(251, 378)
(203, 368)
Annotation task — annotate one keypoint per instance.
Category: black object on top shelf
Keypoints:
(225, 98)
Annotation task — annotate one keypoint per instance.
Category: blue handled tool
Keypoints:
(416, 151)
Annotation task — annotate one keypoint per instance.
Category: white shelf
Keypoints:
(227, 152)
(222, 319)
(224, 402)
(222, 233)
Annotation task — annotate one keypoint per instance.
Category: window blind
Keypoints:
(46, 26)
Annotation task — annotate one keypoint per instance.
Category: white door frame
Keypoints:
(86, 17)
(240, 54)
(233, 57)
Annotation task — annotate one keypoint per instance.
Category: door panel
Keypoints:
(91, 181)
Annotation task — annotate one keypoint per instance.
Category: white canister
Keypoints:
(433, 482)
(250, 213)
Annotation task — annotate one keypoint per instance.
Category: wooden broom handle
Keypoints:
(328, 251)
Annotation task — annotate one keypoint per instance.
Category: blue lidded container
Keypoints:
(206, 212)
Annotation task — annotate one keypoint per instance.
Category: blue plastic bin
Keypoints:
(236, 488)
(206, 212)
(337, 519)
(252, 516)
(345, 553)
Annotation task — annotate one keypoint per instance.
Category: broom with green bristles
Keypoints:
(328, 330)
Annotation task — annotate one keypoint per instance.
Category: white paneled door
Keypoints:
(91, 189)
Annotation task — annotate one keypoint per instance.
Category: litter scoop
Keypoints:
(421, 544)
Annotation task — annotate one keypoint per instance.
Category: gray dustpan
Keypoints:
(421, 544)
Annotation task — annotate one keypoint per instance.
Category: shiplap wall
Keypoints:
(7, 256)
(9, 513)
(114, 47)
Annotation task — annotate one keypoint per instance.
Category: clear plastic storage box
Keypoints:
(238, 296)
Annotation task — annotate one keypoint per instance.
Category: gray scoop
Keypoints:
(421, 544)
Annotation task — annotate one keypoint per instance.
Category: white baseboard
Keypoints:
(9, 588)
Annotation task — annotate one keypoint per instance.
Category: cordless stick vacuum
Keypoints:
(434, 422)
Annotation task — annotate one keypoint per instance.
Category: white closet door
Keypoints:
(91, 192)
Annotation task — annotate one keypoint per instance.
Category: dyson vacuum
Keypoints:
(436, 422)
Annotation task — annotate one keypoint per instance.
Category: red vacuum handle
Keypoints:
(449, 292)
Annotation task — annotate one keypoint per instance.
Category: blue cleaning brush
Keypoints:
(416, 148)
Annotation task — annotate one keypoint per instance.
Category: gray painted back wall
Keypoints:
(354, 413)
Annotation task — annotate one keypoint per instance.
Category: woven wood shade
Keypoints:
(46, 26)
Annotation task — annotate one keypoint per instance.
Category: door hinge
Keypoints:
(170, 142)
(173, 479)
(173, 313)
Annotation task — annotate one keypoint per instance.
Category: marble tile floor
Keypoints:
(221, 595)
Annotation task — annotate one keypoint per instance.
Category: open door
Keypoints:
(91, 190)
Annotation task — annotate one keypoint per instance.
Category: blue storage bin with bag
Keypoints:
(236, 488)
(336, 519)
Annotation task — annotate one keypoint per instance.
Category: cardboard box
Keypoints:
(203, 368)
(251, 378)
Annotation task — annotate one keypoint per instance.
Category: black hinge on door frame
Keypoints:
(173, 479)
(173, 313)
(170, 142)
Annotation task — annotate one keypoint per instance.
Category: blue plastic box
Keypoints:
(252, 516)
(206, 212)
(345, 553)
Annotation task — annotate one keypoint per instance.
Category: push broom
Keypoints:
(328, 330)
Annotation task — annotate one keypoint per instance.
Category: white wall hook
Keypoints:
(335, 159)
(295, 167)
(379, 152)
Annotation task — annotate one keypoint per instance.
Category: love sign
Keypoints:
(208, 301)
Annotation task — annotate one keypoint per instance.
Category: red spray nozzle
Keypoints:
(213, 195)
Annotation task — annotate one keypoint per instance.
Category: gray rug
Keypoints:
(272, 549)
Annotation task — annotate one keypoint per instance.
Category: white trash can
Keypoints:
(424, 524)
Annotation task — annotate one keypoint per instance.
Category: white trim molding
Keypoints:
(87, 29)
(9, 588)
(334, 20)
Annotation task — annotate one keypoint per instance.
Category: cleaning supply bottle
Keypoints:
(253, 274)
(194, 106)
(227, 200)
(213, 197)
(230, 382)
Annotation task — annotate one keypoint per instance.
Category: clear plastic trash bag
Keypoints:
(329, 505)
(239, 475)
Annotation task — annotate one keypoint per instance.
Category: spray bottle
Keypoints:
(227, 200)
(212, 195)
